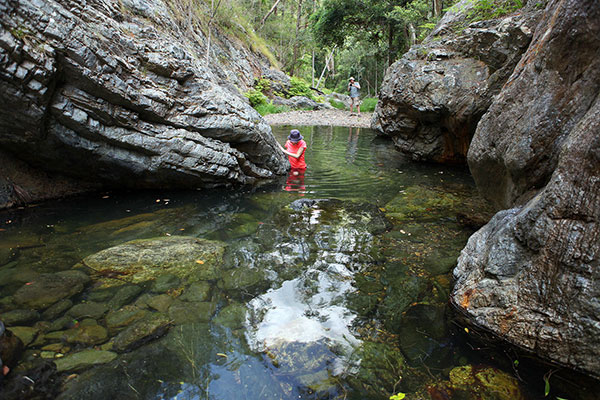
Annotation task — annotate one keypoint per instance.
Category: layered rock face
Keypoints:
(433, 97)
(532, 274)
(114, 93)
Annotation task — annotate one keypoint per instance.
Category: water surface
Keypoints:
(344, 297)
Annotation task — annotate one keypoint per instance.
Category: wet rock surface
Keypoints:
(47, 289)
(147, 259)
(84, 359)
(116, 97)
(433, 97)
(531, 274)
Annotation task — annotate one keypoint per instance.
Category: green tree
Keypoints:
(338, 20)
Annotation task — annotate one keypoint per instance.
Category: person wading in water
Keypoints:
(295, 147)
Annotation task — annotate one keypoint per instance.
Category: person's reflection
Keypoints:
(295, 181)
(353, 133)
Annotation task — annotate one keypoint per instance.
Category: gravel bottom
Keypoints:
(320, 118)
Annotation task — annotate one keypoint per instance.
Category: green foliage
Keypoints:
(270, 108)
(262, 85)
(368, 104)
(337, 104)
(490, 9)
(299, 87)
(398, 396)
(256, 97)
(19, 32)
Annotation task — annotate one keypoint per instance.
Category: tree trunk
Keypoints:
(376, 87)
(312, 71)
(262, 22)
(390, 43)
(437, 8)
(325, 67)
(298, 20)
(412, 35)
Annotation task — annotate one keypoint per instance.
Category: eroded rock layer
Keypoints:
(433, 97)
(116, 92)
(532, 274)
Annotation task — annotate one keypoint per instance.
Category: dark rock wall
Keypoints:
(115, 93)
(532, 274)
(518, 142)
(433, 97)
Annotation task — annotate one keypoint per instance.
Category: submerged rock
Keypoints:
(47, 289)
(473, 383)
(124, 295)
(185, 312)
(380, 369)
(89, 309)
(83, 334)
(20, 317)
(147, 259)
(149, 327)
(232, 316)
(531, 274)
(119, 319)
(433, 97)
(84, 359)
(422, 203)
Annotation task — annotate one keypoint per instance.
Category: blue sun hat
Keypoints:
(295, 136)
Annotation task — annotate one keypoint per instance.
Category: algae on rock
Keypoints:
(146, 259)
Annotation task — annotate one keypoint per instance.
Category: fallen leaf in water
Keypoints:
(222, 355)
(467, 330)
(199, 261)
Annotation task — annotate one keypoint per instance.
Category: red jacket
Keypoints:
(296, 163)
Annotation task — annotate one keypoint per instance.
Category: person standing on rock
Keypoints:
(354, 93)
(295, 147)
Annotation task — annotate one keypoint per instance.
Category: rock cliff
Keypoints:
(118, 94)
(532, 274)
(433, 97)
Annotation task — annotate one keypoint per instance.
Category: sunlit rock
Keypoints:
(472, 383)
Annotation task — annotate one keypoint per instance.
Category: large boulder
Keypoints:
(532, 274)
(113, 92)
(433, 97)
(148, 259)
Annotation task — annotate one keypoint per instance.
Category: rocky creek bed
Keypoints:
(265, 293)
